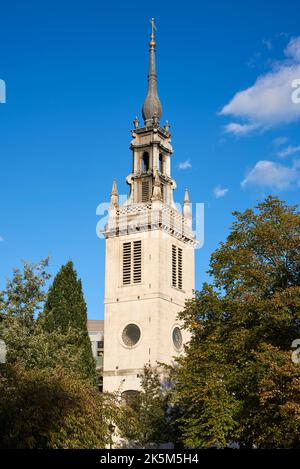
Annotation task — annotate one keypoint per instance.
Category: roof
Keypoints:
(95, 325)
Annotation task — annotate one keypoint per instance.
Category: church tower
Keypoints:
(149, 256)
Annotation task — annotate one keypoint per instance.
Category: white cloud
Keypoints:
(252, 63)
(268, 102)
(220, 192)
(290, 150)
(267, 43)
(292, 50)
(239, 129)
(278, 141)
(184, 164)
(1, 239)
(283, 34)
(273, 175)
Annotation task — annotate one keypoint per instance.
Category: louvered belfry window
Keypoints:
(177, 267)
(145, 191)
(137, 261)
(174, 266)
(132, 262)
(126, 263)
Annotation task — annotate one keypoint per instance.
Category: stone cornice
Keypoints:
(146, 145)
(142, 217)
(151, 129)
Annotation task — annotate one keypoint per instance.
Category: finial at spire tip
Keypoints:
(114, 197)
(153, 28)
(114, 189)
(186, 196)
(152, 108)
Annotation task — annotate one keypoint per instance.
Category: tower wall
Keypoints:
(152, 305)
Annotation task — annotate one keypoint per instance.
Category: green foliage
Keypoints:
(65, 305)
(278, 420)
(242, 328)
(65, 312)
(42, 408)
(47, 394)
(36, 348)
(145, 418)
(56, 336)
(20, 304)
(24, 295)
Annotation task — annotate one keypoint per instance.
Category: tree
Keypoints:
(20, 304)
(36, 348)
(25, 294)
(29, 340)
(50, 408)
(278, 422)
(145, 417)
(47, 394)
(65, 312)
(237, 381)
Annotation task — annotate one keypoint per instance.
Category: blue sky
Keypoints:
(76, 75)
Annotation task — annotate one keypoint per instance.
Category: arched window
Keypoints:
(131, 398)
(145, 165)
(161, 163)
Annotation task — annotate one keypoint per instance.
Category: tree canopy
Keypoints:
(65, 312)
(48, 397)
(237, 381)
(50, 408)
(146, 417)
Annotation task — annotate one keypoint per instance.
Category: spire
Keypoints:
(186, 197)
(114, 197)
(186, 205)
(152, 107)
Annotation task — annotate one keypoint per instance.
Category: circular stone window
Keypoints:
(177, 338)
(131, 335)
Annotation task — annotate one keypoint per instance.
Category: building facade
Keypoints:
(149, 256)
(96, 334)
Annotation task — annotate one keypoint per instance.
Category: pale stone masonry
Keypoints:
(96, 334)
(150, 245)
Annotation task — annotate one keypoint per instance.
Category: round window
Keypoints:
(131, 335)
(177, 338)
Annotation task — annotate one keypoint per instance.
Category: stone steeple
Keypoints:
(152, 109)
(114, 197)
(151, 148)
(149, 256)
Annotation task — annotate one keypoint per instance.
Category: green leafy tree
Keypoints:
(35, 347)
(237, 381)
(47, 395)
(145, 418)
(278, 421)
(31, 341)
(42, 408)
(65, 312)
(24, 295)
(20, 304)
